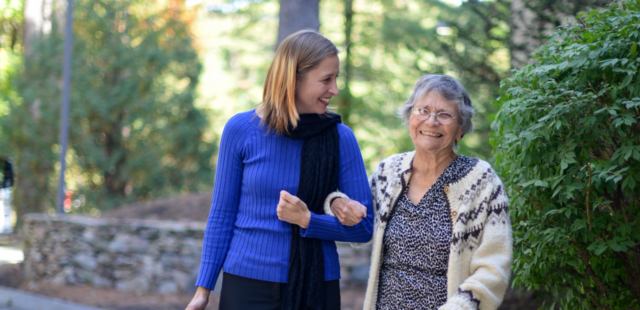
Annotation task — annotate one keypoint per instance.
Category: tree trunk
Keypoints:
(297, 15)
(347, 99)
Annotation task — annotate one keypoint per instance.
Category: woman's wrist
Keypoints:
(306, 218)
(203, 291)
(334, 199)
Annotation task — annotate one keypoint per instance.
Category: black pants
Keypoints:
(240, 293)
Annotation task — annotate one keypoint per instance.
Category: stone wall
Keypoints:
(354, 265)
(133, 255)
(128, 255)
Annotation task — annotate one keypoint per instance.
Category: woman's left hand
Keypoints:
(293, 210)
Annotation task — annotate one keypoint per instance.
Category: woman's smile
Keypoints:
(430, 133)
(325, 101)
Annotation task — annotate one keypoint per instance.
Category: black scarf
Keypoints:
(319, 168)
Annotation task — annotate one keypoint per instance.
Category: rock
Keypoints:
(123, 243)
(89, 234)
(168, 287)
(59, 250)
(61, 278)
(105, 259)
(148, 233)
(35, 256)
(93, 279)
(98, 281)
(152, 268)
(183, 279)
(122, 273)
(187, 262)
(85, 262)
(169, 260)
(137, 284)
(125, 261)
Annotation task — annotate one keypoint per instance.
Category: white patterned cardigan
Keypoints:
(481, 245)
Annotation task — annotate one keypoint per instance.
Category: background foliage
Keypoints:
(568, 148)
(387, 45)
(10, 46)
(392, 44)
(135, 132)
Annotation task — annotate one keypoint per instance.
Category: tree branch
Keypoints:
(584, 255)
(588, 189)
(535, 203)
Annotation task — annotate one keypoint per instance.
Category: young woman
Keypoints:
(267, 229)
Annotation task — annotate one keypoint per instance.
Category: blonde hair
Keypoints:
(297, 54)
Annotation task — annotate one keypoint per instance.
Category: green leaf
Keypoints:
(628, 153)
(541, 183)
(629, 183)
(627, 80)
(608, 62)
(557, 190)
(601, 249)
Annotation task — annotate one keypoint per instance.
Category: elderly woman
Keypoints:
(442, 236)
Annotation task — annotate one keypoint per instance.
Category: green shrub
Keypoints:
(567, 144)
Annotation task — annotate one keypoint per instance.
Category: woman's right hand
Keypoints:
(200, 299)
(348, 211)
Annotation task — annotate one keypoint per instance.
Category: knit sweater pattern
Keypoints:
(481, 245)
(244, 236)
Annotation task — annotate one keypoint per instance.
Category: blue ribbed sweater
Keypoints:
(244, 236)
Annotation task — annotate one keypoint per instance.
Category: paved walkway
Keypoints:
(20, 300)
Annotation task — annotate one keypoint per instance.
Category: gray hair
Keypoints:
(447, 87)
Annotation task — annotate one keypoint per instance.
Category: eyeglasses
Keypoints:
(442, 117)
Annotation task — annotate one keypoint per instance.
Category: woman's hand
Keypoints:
(293, 210)
(348, 211)
(200, 299)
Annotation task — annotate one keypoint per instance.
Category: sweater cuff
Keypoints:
(208, 276)
(305, 231)
(330, 199)
(461, 300)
